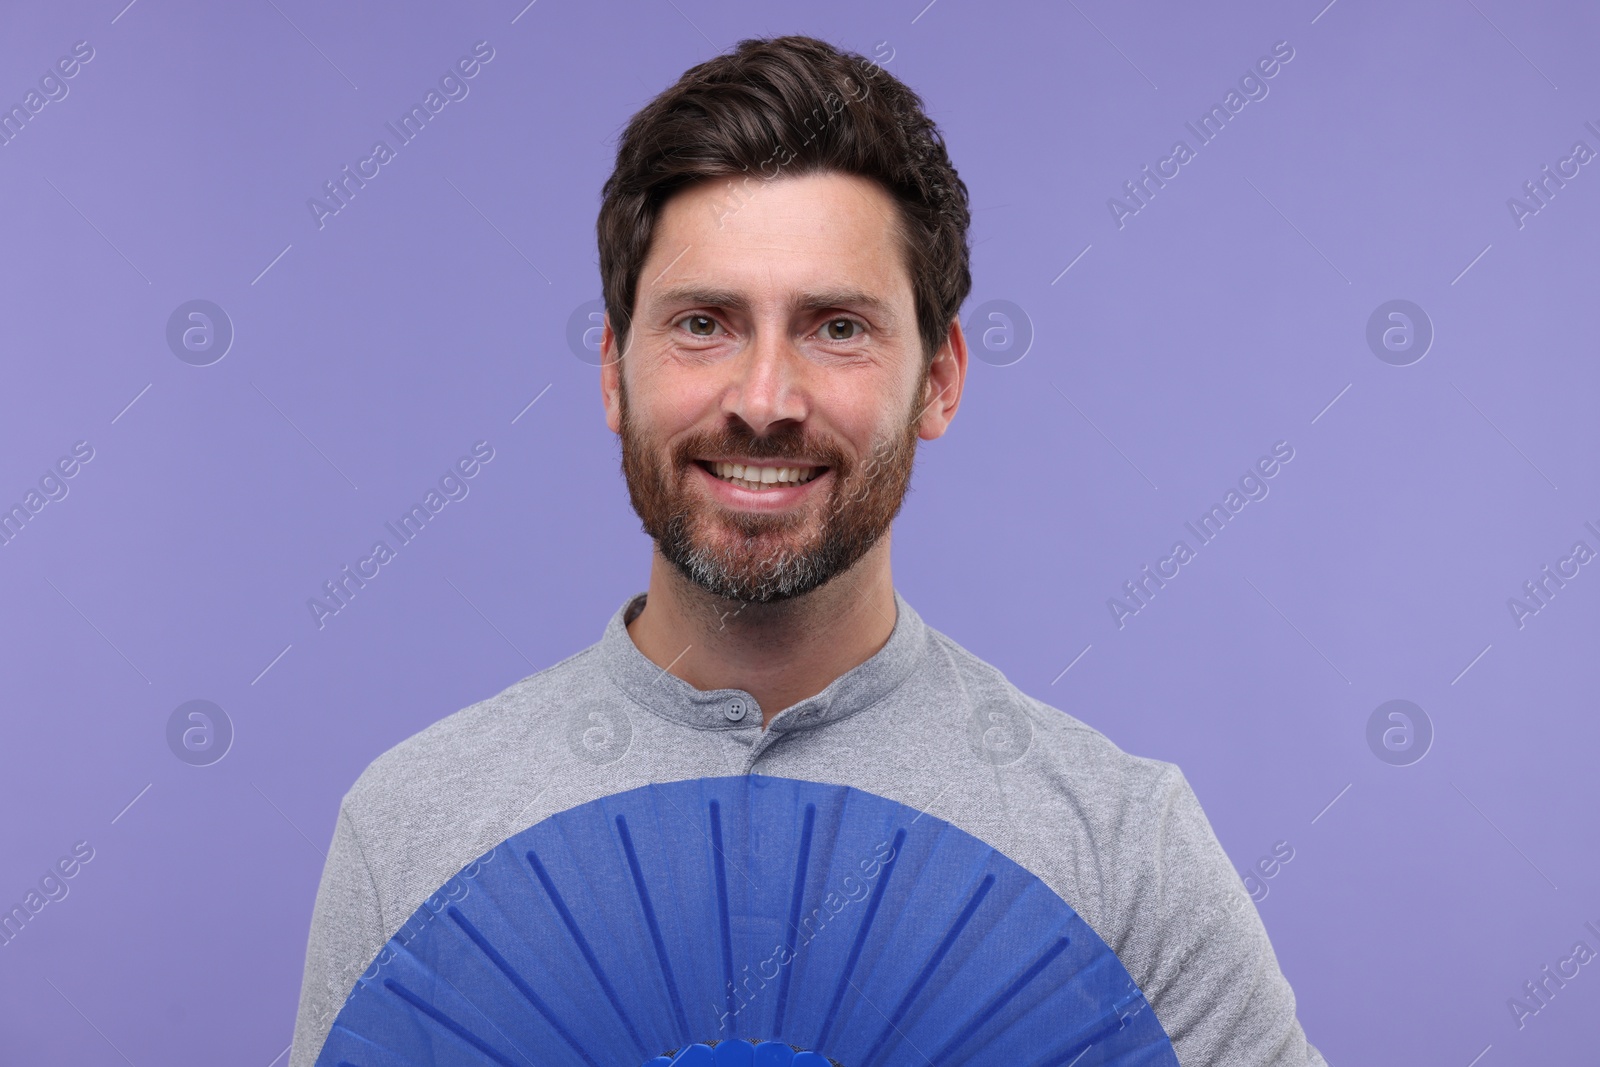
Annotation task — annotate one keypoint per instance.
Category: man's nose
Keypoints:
(769, 382)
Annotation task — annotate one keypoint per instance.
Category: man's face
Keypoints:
(775, 385)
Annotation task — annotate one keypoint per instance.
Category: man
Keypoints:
(783, 251)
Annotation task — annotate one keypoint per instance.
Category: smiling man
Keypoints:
(769, 405)
(783, 251)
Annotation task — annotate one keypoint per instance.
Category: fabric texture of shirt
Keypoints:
(923, 722)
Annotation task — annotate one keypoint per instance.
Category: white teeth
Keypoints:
(754, 477)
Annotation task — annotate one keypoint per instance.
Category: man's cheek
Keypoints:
(861, 490)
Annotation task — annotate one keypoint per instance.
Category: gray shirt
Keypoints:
(924, 722)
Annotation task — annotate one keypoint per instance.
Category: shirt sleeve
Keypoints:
(347, 931)
(1211, 974)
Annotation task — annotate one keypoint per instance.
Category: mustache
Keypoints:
(792, 444)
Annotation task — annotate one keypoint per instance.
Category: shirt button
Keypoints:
(734, 711)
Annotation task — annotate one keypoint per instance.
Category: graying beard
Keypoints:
(780, 576)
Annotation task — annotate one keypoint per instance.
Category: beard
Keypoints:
(761, 557)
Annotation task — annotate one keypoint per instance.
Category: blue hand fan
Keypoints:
(749, 921)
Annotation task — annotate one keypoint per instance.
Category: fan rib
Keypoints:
(583, 945)
(1003, 999)
(722, 903)
(653, 924)
(932, 965)
(516, 979)
(807, 826)
(861, 938)
(445, 1021)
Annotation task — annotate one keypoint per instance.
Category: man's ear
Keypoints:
(946, 377)
(611, 376)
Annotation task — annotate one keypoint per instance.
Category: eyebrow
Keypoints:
(812, 300)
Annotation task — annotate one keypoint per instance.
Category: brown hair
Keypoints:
(789, 106)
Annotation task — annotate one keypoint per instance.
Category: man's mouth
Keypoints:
(758, 478)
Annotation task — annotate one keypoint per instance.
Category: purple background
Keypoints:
(427, 314)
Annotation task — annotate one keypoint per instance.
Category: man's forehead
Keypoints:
(812, 241)
(739, 198)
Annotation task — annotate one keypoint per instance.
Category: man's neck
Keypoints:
(780, 653)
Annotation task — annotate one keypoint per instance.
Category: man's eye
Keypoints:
(840, 329)
(700, 325)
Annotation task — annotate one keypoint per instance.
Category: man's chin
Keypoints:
(759, 569)
(741, 586)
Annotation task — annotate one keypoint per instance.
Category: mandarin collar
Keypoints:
(672, 698)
